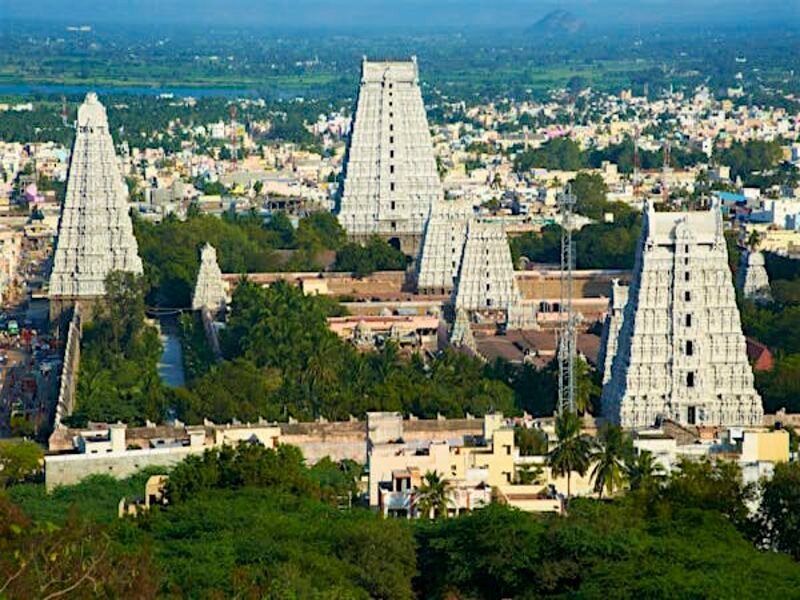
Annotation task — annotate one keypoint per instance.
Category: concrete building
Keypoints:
(95, 234)
(390, 175)
(471, 465)
(680, 352)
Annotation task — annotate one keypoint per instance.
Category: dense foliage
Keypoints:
(282, 360)
(118, 377)
(254, 522)
(769, 324)
(170, 250)
(598, 245)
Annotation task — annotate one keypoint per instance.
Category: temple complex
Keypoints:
(753, 279)
(210, 289)
(95, 234)
(680, 352)
(390, 175)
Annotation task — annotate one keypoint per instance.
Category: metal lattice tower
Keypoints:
(566, 317)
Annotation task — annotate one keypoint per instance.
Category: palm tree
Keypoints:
(643, 470)
(433, 497)
(609, 458)
(572, 450)
(585, 386)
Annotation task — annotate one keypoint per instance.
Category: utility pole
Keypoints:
(566, 317)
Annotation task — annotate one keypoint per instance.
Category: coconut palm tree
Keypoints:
(643, 470)
(585, 386)
(609, 460)
(573, 449)
(433, 497)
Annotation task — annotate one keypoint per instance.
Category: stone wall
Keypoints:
(546, 285)
(69, 469)
(65, 403)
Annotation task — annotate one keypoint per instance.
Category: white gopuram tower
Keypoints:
(753, 278)
(486, 281)
(95, 233)
(209, 290)
(442, 247)
(390, 175)
(680, 352)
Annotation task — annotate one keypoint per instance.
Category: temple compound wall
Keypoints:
(390, 175)
(680, 352)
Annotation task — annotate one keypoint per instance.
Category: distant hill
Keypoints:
(557, 22)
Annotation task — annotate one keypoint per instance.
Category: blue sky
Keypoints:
(406, 13)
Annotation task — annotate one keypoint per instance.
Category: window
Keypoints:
(391, 186)
(689, 320)
(391, 114)
(686, 249)
(690, 379)
(391, 168)
(686, 275)
(689, 348)
(392, 204)
(391, 139)
(394, 225)
(391, 126)
(687, 295)
(391, 153)
(488, 286)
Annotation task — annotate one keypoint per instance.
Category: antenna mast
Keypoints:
(566, 318)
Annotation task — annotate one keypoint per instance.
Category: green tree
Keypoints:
(530, 441)
(779, 511)
(643, 470)
(609, 457)
(573, 448)
(19, 461)
(433, 497)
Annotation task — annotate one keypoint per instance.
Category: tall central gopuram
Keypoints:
(679, 352)
(95, 233)
(390, 175)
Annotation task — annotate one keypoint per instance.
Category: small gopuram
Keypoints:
(442, 247)
(95, 233)
(753, 279)
(209, 290)
(611, 327)
(680, 352)
(390, 175)
(486, 275)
